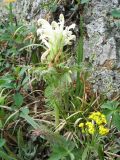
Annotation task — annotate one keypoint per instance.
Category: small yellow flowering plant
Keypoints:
(98, 117)
(98, 121)
(93, 130)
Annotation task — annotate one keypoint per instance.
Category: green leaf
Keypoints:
(5, 156)
(116, 120)
(58, 154)
(25, 111)
(30, 120)
(111, 105)
(5, 82)
(85, 153)
(18, 99)
(62, 149)
(1, 125)
(116, 13)
(20, 139)
(78, 153)
(2, 142)
(34, 58)
(111, 108)
(53, 7)
(84, 1)
(2, 99)
(100, 152)
(79, 52)
(25, 81)
(22, 71)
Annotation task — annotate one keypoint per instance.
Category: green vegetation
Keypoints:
(47, 107)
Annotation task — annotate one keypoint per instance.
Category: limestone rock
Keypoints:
(102, 45)
(28, 10)
(103, 33)
(106, 82)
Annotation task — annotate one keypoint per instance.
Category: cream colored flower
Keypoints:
(55, 36)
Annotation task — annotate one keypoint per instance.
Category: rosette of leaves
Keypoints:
(112, 111)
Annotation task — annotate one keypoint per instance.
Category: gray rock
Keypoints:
(102, 31)
(103, 45)
(28, 10)
(106, 81)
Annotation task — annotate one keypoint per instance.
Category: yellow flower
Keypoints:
(103, 119)
(90, 127)
(9, 1)
(103, 130)
(98, 117)
(83, 130)
(81, 125)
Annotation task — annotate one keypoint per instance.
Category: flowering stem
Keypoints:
(10, 13)
(79, 58)
(57, 118)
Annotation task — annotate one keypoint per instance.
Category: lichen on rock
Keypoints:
(101, 39)
(102, 45)
(28, 10)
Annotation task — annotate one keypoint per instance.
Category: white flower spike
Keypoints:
(54, 37)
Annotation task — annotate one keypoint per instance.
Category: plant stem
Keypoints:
(57, 118)
(79, 58)
(10, 13)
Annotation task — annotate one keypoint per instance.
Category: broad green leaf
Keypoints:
(108, 114)
(84, 1)
(78, 153)
(20, 139)
(2, 142)
(116, 13)
(17, 70)
(25, 110)
(5, 156)
(116, 120)
(85, 153)
(100, 152)
(25, 80)
(62, 148)
(6, 82)
(58, 154)
(72, 157)
(1, 125)
(2, 99)
(34, 58)
(111, 105)
(10, 117)
(53, 8)
(22, 71)
(18, 99)
(30, 120)
(2, 81)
